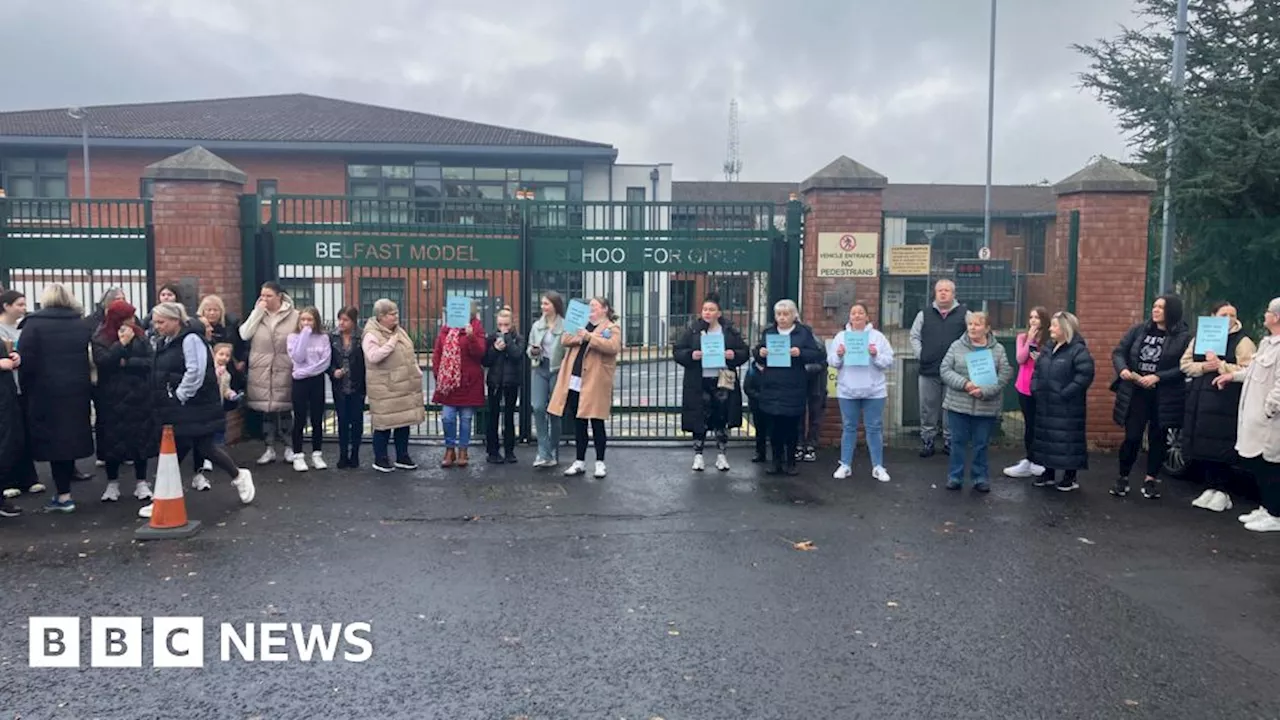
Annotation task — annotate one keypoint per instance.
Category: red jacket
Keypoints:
(471, 392)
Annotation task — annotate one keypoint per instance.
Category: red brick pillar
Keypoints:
(842, 257)
(196, 215)
(1114, 203)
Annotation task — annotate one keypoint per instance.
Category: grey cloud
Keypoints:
(900, 86)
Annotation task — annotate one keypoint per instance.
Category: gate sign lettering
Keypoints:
(572, 254)
(478, 253)
(848, 255)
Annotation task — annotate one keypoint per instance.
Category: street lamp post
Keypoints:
(82, 115)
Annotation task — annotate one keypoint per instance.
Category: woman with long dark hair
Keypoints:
(347, 377)
(1030, 345)
(712, 395)
(546, 353)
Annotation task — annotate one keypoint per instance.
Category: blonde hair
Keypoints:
(56, 295)
(171, 310)
(1069, 325)
(317, 324)
(213, 301)
(978, 315)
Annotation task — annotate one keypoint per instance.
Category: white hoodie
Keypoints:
(861, 382)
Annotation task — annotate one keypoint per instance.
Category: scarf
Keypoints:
(119, 314)
(449, 375)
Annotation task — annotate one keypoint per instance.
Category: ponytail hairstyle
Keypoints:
(506, 312)
(608, 308)
(713, 297)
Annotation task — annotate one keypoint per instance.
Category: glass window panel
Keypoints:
(426, 172)
(428, 188)
(399, 190)
(363, 171)
(53, 165)
(454, 173)
(22, 187)
(553, 193)
(575, 176)
(513, 174)
(398, 172)
(364, 189)
(53, 187)
(27, 165)
(491, 192)
(458, 190)
(301, 290)
(491, 174)
(575, 192)
(375, 289)
(544, 175)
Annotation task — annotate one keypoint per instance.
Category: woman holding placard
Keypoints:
(1150, 390)
(458, 360)
(585, 392)
(975, 371)
(1060, 385)
(710, 351)
(1220, 347)
(784, 350)
(861, 355)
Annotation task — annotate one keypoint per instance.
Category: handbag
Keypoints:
(726, 379)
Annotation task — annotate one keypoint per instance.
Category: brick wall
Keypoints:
(1110, 287)
(117, 173)
(837, 211)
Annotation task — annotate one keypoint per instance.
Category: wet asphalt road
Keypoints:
(498, 593)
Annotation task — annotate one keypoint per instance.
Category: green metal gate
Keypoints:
(655, 261)
(87, 245)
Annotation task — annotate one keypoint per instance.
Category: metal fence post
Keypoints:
(4, 231)
(526, 381)
(795, 240)
(1073, 261)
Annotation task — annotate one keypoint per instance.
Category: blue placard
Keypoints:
(982, 368)
(457, 311)
(779, 347)
(1211, 335)
(713, 351)
(857, 347)
(576, 316)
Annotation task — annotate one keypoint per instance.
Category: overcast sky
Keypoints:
(899, 85)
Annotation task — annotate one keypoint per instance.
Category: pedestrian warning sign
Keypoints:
(848, 255)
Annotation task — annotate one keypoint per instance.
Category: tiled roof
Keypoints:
(274, 118)
(912, 199)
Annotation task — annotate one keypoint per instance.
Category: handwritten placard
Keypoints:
(982, 368)
(1211, 335)
(713, 351)
(457, 311)
(857, 350)
(779, 347)
(576, 316)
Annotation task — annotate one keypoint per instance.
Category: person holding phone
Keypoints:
(546, 352)
(585, 391)
(504, 357)
(975, 371)
(1030, 344)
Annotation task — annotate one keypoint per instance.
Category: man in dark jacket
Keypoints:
(932, 333)
(1150, 390)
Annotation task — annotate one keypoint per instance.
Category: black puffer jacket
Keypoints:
(1209, 428)
(201, 414)
(13, 439)
(126, 427)
(693, 408)
(55, 378)
(1170, 391)
(1060, 386)
(506, 367)
(784, 391)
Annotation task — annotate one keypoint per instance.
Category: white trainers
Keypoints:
(267, 457)
(317, 461)
(200, 483)
(112, 493)
(1021, 470)
(842, 472)
(100, 463)
(1203, 500)
(11, 493)
(879, 473)
(1266, 524)
(1037, 470)
(601, 470)
(207, 467)
(722, 463)
(244, 484)
(145, 511)
(299, 463)
(35, 489)
(142, 490)
(577, 468)
(698, 463)
(1257, 514)
(290, 456)
(1219, 502)
(541, 462)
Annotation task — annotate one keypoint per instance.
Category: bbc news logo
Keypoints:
(179, 642)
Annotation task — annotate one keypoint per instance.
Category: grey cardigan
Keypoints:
(536, 334)
(955, 373)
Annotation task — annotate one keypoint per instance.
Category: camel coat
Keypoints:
(393, 379)
(598, 368)
(270, 383)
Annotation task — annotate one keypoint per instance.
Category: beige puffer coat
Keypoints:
(392, 377)
(270, 383)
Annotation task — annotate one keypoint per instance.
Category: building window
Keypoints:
(301, 290)
(634, 282)
(146, 188)
(1013, 228)
(374, 289)
(948, 241)
(635, 211)
(267, 190)
(36, 178)
(1036, 232)
(680, 303)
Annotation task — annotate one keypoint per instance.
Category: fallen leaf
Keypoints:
(673, 633)
(1132, 703)
(805, 545)
(891, 603)
(1086, 541)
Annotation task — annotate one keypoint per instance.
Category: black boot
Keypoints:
(927, 450)
(1121, 488)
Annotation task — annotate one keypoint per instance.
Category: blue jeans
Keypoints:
(457, 425)
(546, 425)
(969, 430)
(381, 437)
(350, 411)
(872, 412)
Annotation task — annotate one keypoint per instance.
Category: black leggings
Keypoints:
(1144, 416)
(714, 418)
(209, 450)
(308, 403)
(139, 469)
(502, 402)
(784, 433)
(1028, 405)
(580, 430)
(63, 471)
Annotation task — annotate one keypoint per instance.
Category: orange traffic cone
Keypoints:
(168, 508)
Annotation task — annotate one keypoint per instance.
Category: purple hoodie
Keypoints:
(309, 353)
